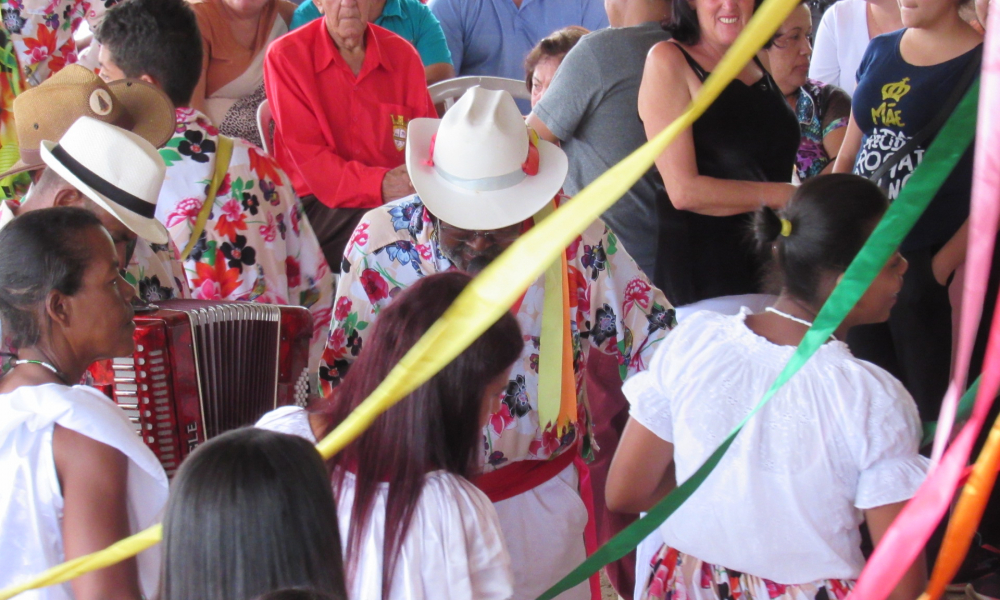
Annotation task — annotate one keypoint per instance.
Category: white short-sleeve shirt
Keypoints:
(841, 40)
(786, 500)
(453, 550)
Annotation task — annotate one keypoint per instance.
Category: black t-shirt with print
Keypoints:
(894, 100)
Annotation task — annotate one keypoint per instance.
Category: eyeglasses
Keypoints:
(455, 235)
(792, 38)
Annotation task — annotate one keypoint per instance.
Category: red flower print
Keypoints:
(263, 165)
(775, 589)
(501, 421)
(268, 231)
(578, 283)
(549, 443)
(374, 284)
(215, 282)
(424, 250)
(187, 208)
(231, 220)
(321, 321)
(839, 589)
(293, 271)
(359, 237)
(343, 308)
(336, 345)
(636, 292)
(42, 45)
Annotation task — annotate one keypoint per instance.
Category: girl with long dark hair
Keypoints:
(414, 526)
(836, 446)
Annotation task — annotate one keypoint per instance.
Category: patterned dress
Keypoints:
(679, 576)
(615, 310)
(256, 245)
(821, 109)
(42, 33)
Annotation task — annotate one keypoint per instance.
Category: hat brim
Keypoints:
(479, 210)
(150, 109)
(20, 167)
(148, 229)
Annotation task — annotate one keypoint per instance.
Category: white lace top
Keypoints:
(453, 550)
(785, 502)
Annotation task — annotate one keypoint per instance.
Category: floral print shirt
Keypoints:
(257, 245)
(42, 32)
(614, 310)
(821, 108)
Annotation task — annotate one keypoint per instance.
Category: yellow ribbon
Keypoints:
(496, 289)
(556, 392)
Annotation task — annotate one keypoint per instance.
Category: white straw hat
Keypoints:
(117, 169)
(471, 168)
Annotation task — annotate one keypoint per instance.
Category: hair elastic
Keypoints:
(786, 228)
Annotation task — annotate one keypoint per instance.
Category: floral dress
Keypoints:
(42, 32)
(821, 109)
(679, 576)
(256, 246)
(614, 310)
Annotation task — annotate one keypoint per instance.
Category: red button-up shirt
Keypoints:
(337, 133)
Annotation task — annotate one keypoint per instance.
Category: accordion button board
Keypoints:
(201, 368)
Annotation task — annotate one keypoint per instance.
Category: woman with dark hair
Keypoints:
(76, 477)
(415, 527)
(737, 157)
(251, 512)
(543, 60)
(837, 445)
(822, 109)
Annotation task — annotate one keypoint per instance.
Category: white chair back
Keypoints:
(448, 91)
(265, 124)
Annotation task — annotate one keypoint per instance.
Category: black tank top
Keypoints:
(749, 134)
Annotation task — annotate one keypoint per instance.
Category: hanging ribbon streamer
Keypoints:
(495, 290)
(983, 216)
(939, 160)
(972, 503)
(963, 412)
(906, 537)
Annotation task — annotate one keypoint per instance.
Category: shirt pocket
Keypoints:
(390, 128)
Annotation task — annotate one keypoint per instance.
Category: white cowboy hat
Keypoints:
(469, 166)
(117, 169)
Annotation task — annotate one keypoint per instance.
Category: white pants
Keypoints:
(544, 529)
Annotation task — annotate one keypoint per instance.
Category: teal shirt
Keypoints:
(409, 19)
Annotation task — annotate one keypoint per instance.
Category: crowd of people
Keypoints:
(296, 153)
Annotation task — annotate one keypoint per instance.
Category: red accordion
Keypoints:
(201, 368)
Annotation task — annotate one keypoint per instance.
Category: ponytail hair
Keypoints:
(820, 230)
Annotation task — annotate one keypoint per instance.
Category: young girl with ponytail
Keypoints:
(837, 445)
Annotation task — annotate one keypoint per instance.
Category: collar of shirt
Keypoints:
(328, 54)
(392, 8)
(187, 116)
(6, 213)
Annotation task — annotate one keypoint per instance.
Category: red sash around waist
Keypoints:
(521, 476)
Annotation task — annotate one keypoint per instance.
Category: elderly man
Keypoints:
(249, 241)
(409, 19)
(481, 180)
(342, 92)
(46, 112)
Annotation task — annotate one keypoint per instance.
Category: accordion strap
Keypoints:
(222, 157)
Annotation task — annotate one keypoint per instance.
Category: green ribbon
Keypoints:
(961, 414)
(939, 160)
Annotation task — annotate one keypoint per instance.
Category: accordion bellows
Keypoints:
(201, 368)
